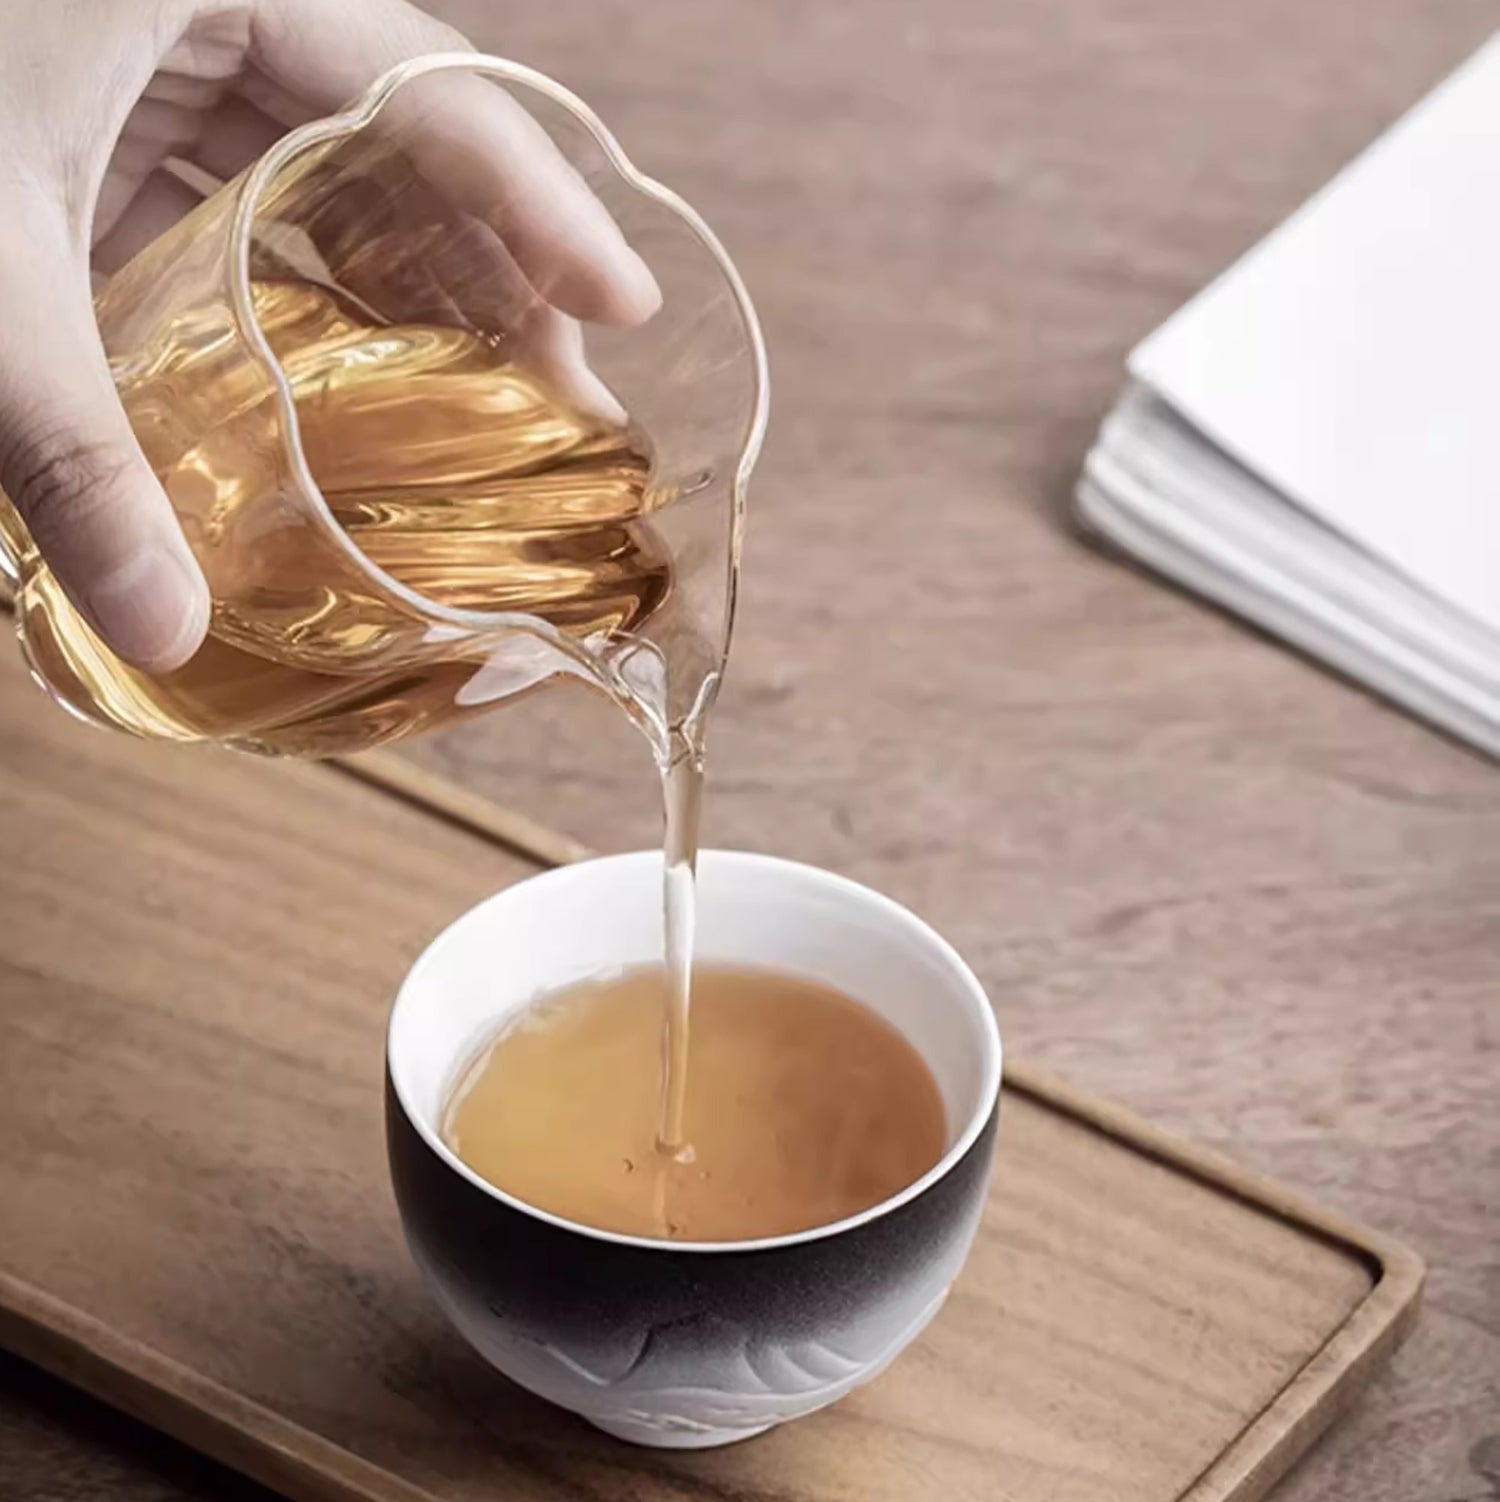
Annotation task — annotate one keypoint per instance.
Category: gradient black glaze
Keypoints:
(552, 1284)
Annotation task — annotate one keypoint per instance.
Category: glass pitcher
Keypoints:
(416, 487)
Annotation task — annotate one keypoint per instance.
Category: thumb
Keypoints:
(73, 469)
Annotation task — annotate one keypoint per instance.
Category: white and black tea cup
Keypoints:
(666, 1342)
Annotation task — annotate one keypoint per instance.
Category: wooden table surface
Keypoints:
(1196, 872)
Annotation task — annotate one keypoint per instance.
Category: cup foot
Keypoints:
(659, 1437)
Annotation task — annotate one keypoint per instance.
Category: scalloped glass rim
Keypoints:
(355, 117)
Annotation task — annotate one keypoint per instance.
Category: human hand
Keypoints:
(95, 95)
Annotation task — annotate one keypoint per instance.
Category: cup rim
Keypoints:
(354, 116)
(984, 1016)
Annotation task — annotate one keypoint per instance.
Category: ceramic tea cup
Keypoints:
(676, 1343)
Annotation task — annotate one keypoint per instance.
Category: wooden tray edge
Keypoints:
(1326, 1388)
(203, 1414)
(1339, 1371)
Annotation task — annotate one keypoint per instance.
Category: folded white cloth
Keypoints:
(1312, 441)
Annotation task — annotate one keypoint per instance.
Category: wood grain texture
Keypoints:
(192, 996)
(1197, 873)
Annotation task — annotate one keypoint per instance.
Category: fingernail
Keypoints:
(603, 279)
(638, 285)
(153, 610)
(635, 293)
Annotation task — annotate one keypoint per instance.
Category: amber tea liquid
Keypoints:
(459, 473)
(801, 1106)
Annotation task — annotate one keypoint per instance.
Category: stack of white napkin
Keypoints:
(1314, 441)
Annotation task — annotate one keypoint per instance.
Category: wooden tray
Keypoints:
(197, 1226)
